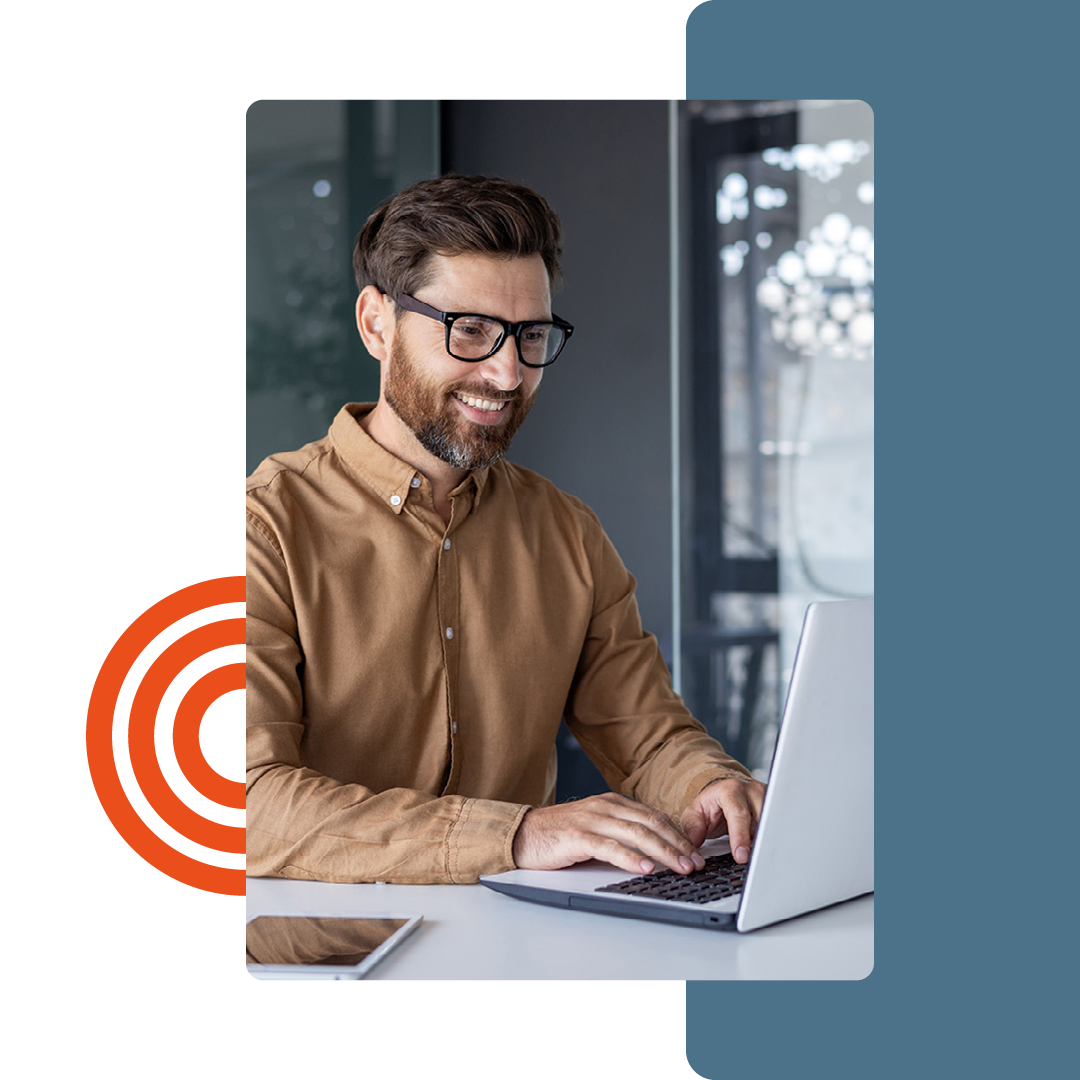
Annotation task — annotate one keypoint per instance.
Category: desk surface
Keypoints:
(470, 932)
(473, 933)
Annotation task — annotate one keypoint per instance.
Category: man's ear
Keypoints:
(375, 321)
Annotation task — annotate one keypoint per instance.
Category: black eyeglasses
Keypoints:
(473, 338)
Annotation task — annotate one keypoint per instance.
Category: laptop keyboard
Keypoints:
(722, 876)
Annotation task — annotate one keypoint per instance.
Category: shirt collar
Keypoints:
(389, 477)
(479, 478)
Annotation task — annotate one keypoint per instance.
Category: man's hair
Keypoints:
(453, 215)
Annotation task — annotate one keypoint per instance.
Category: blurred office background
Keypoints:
(715, 406)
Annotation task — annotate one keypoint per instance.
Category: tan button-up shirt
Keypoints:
(406, 678)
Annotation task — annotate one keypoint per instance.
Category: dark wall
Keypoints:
(601, 428)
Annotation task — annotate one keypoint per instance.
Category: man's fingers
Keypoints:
(732, 806)
(697, 825)
(739, 824)
(693, 824)
(624, 857)
(655, 836)
(620, 831)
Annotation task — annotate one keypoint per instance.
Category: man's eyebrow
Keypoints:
(458, 309)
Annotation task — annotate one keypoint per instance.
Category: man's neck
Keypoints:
(388, 430)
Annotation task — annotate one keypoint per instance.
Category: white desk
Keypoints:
(470, 932)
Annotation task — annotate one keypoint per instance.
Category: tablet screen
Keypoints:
(313, 942)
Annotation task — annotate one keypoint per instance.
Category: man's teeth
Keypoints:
(481, 403)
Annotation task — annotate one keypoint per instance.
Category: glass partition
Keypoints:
(776, 402)
(315, 170)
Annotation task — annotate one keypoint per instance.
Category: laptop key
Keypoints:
(722, 876)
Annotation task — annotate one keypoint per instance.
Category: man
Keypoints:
(421, 613)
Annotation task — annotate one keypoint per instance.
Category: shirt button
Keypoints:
(453, 727)
(395, 500)
(446, 544)
(449, 632)
(415, 481)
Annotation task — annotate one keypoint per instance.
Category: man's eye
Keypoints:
(473, 327)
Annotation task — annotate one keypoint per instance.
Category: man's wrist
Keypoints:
(517, 840)
(720, 779)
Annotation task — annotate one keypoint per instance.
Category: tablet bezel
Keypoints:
(333, 971)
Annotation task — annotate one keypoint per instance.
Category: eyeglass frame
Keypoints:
(509, 329)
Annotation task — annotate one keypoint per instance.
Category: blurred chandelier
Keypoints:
(820, 295)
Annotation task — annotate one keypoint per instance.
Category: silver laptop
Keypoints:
(815, 841)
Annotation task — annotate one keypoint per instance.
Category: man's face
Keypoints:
(466, 414)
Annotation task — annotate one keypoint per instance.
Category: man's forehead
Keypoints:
(463, 280)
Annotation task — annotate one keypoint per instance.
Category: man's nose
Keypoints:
(503, 367)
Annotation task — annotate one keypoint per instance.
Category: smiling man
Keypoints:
(458, 408)
(422, 612)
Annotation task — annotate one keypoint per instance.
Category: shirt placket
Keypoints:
(450, 630)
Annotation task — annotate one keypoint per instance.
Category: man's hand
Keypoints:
(620, 831)
(731, 806)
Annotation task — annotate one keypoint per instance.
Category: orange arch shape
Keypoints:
(164, 754)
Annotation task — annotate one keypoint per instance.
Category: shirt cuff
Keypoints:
(481, 839)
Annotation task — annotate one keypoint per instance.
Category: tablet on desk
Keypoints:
(310, 946)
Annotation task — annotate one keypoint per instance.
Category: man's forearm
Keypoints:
(306, 826)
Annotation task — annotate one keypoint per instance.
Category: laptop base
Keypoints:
(709, 920)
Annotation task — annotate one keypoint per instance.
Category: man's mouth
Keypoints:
(483, 404)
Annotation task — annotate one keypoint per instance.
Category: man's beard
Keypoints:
(439, 425)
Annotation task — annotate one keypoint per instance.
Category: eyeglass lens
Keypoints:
(473, 337)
